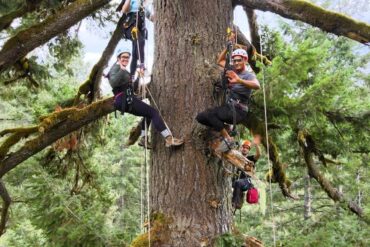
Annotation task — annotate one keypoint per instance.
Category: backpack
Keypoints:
(252, 196)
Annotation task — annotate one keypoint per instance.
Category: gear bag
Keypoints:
(252, 196)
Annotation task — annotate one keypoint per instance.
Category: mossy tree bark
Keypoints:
(25, 41)
(91, 87)
(257, 127)
(189, 34)
(314, 15)
(54, 127)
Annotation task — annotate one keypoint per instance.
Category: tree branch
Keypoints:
(74, 119)
(279, 176)
(338, 117)
(314, 15)
(251, 50)
(28, 6)
(253, 28)
(6, 203)
(305, 141)
(27, 40)
(92, 85)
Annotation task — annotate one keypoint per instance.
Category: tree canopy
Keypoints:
(69, 181)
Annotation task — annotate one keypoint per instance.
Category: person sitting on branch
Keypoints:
(125, 101)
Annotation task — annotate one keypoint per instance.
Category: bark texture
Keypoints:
(27, 40)
(314, 15)
(194, 195)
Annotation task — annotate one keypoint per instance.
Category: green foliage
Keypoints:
(317, 83)
(102, 208)
(229, 240)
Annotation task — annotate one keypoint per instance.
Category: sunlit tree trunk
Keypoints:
(193, 194)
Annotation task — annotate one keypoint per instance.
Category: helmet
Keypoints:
(246, 143)
(240, 52)
(123, 50)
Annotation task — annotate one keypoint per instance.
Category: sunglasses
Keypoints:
(125, 57)
(245, 146)
(237, 60)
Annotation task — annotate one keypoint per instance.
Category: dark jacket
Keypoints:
(118, 79)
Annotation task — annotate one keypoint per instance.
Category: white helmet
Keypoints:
(240, 52)
(124, 50)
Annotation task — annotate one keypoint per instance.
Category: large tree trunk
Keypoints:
(192, 194)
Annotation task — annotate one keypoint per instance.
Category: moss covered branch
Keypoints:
(91, 86)
(26, 7)
(54, 127)
(25, 41)
(16, 135)
(256, 126)
(306, 142)
(314, 15)
(6, 204)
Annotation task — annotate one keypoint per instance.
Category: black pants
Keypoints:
(139, 108)
(138, 46)
(240, 186)
(216, 117)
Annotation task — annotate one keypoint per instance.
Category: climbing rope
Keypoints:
(267, 144)
(144, 168)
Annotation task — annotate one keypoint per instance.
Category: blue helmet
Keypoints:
(123, 50)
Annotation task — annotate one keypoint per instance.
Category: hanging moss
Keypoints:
(159, 232)
(17, 135)
(256, 126)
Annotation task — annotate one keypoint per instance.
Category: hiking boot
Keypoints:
(141, 143)
(173, 142)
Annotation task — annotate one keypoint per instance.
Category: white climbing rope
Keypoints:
(267, 144)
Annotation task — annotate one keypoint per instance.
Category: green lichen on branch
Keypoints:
(159, 232)
(48, 121)
(278, 174)
(87, 87)
(16, 135)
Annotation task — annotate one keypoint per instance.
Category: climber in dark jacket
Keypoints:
(125, 101)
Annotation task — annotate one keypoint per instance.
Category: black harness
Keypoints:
(127, 98)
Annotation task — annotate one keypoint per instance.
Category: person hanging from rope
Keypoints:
(242, 179)
(124, 101)
(134, 29)
(239, 89)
